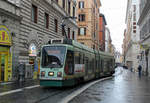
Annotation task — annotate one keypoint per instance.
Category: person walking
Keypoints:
(140, 70)
(21, 70)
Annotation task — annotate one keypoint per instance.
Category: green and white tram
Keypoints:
(66, 62)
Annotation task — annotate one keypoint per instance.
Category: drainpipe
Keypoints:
(146, 54)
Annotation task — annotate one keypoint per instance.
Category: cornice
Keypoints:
(9, 14)
(144, 12)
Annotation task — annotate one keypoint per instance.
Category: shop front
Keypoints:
(5, 55)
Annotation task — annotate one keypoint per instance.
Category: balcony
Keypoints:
(60, 9)
(10, 7)
(15, 2)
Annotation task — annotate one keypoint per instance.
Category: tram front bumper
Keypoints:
(57, 83)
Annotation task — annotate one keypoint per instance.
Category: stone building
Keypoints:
(131, 41)
(108, 41)
(88, 18)
(34, 23)
(102, 28)
(144, 24)
(10, 20)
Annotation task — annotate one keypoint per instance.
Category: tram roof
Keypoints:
(70, 42)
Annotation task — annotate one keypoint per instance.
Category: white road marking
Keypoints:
(35, 86)
(18, 90)
(79, 91)
(6, 83)
(9, 92)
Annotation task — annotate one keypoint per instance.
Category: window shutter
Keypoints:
(78, 31)
(84, 31)
(79, 4)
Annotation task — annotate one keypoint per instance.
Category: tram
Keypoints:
(66, 62)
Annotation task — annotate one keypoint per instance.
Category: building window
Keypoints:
(134, 23)
(81, 17)
(134, 17)
(74, 11)
(69, 6)
(82, 42)
(82, 31)
(63, 3)
(57, 1)
(56, 25)
(134, 27)
(73, 35)
(134, 31)
(63, 31)
(134, 8)
(81, 4)
(34, 13)
(46, 20)
(68, 32)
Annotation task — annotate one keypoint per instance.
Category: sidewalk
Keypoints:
(4, 87)
(125, 87)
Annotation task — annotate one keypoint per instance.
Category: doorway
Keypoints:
(3, 65)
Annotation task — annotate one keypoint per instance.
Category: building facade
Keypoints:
(102, 29)
(33, 25)
(108, 41)
(131, 41)
(144, 24)
(88, 18)
(10, 20)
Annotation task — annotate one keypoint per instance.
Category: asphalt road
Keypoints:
(125, 87)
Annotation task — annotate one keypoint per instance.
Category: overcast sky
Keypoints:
(115, 12)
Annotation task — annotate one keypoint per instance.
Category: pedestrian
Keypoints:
(21, 70)
(139, 70)
(131, 69)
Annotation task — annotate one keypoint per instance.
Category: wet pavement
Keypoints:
(125, 87)
(5, 87)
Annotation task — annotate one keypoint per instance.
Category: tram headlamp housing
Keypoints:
(59, 74)
(51, 73)
(42, 73)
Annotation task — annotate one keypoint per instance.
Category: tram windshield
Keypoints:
(53, 56)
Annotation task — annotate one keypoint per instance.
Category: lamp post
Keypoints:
(146, 54)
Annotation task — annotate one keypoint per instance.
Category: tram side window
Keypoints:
(86, 65)
(69, 67)
(78, 58)
(102, 65)
(108, 65)
(105, 64)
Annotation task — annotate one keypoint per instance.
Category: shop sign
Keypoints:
(32, 50)
(5, 38)
(144, 46)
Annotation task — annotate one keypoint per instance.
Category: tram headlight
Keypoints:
(59, 74)
(42, 73)
(51, 73)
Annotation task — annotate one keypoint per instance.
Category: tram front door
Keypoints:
(3, 56)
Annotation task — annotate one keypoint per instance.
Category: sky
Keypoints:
(115, 13)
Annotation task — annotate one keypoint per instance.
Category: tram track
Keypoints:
(47, 97)
(60, 92)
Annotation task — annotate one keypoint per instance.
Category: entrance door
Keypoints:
(3, 57)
